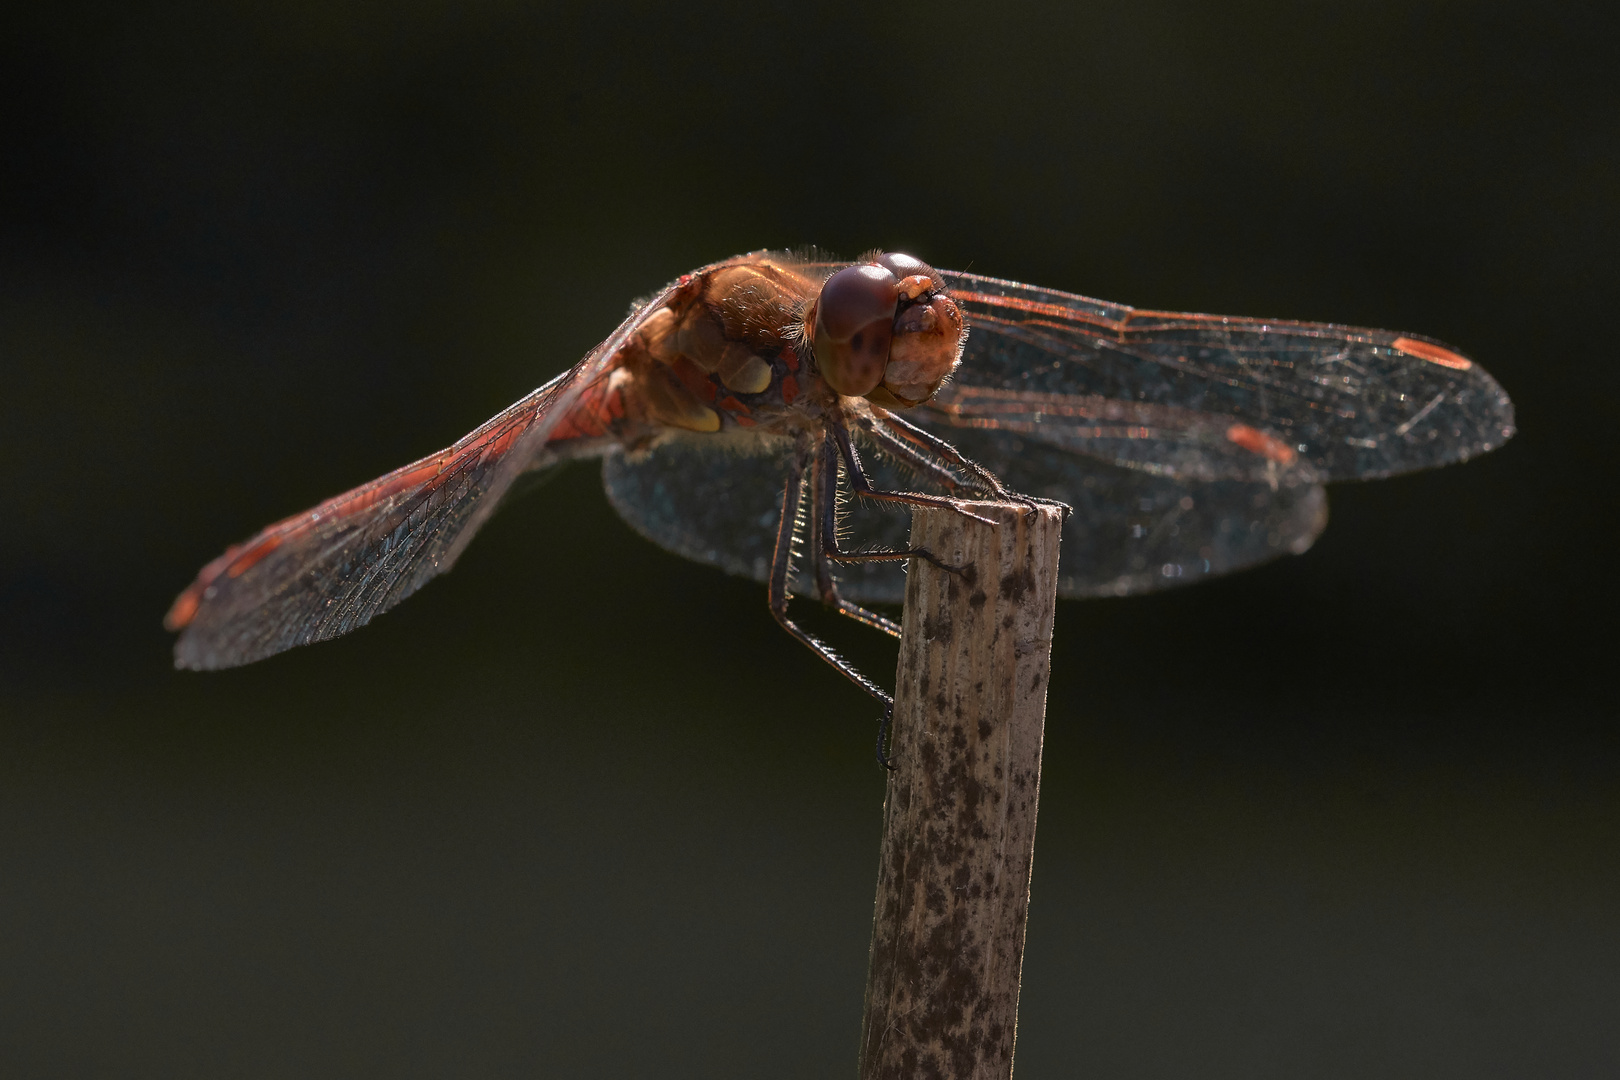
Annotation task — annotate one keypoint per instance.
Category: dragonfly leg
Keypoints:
(839, 434)
(827, 471)
(900, 428)
(782, 565)
(906, 440)
(823, 521)
(922, 462)
(885, 726)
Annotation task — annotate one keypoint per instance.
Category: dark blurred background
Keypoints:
(580, 809)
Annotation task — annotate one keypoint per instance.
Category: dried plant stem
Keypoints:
(959, 817)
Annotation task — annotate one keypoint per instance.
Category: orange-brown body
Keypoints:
(734, 347)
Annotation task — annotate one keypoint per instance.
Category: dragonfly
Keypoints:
(737, 410)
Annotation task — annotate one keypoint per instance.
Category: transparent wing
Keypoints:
(331, 569)
(721, 505)
(1131, 530)
(1134, 530)
(1211, 397)
(703, 500)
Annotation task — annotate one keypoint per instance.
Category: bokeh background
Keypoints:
(580, 809)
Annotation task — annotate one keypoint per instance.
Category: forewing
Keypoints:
(1207, 397)
(331, 569)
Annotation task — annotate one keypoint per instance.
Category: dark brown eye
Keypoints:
(903, 266)
(855, 296)
(854, 324)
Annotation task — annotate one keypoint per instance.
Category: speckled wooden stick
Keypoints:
(959, 818)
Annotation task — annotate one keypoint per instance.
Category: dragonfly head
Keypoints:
(886, 330)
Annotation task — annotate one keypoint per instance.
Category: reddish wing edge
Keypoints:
(1120, 319)
(1347, 402)
(488, 443)
(326, 571)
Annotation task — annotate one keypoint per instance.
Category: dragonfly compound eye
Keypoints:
(901, 265)
(854, 325)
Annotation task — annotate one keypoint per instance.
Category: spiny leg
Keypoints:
(824, 527)
(827, 468)
(919, 461)
(823, 522)
(925, 450)
(863, 486)
(782, 565)
(835, 444)
(901, 428)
